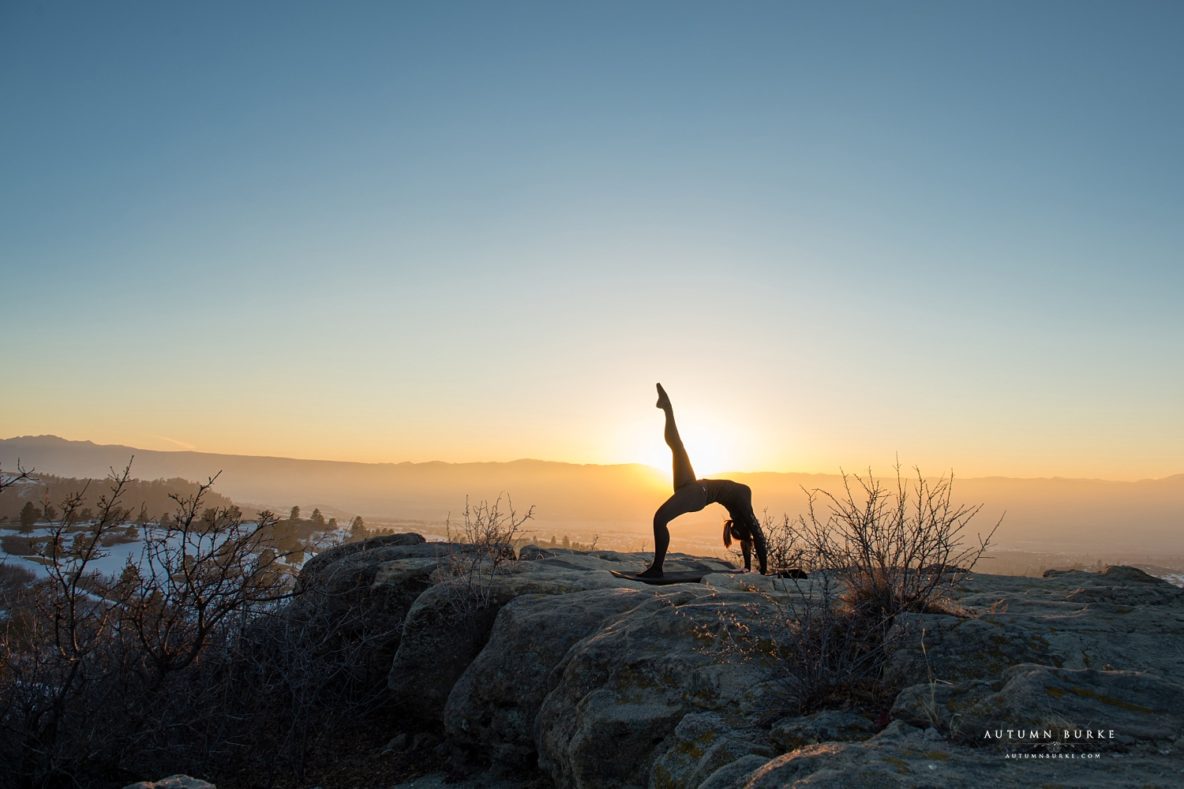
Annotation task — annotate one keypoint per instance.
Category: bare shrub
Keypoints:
(897, 550)
(874, 553)
(784, 543)
(284, 690)
(832, 657)
(487, 532)
(193, 659)
(105, 674)
(205, 567)
(15, 582)
(13, 576)
(16, 545)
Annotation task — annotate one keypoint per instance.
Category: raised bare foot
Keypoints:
(663, 399)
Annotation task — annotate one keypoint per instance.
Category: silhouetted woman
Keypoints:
(692, 495)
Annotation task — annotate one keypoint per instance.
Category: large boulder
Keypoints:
(905, 756)
(822, 726)
(448, 624)
(352, 600)
(944, 647)
(372, 548)
(1116, 620)
(703, 743)
(1101, 710)
(940, 705)
(898, 757)
(493, 706)
(735, 773)
(624, 690)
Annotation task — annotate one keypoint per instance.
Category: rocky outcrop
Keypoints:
(550, 665)
(904, 756)
(824, 726)
(361, 593)
(494, 704)
(611, 718)
(449, 624)
(702, 744)
(173, 782)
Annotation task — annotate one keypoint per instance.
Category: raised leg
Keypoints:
(683, 473)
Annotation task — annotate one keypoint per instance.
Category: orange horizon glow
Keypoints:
(710, 455)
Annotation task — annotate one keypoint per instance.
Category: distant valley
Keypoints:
(616, 502)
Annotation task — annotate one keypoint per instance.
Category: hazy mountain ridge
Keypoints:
(1086, 514)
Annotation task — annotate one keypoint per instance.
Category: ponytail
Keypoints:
(727, 534)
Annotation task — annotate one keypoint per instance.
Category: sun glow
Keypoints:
(711, 452)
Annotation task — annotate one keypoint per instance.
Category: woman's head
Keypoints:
(734, 530)
(750, 536)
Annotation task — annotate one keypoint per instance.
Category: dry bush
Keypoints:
(897, 549)
(104, 680)
(786, 550)
(18, 545)
(832, 657)
(194, 659)
(284, 689)
(874, 553)
(487, 533)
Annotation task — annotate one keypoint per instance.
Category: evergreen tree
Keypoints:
(318, 520)
(295, 516)
(29, 516)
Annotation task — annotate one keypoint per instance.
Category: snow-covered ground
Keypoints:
(111, 560)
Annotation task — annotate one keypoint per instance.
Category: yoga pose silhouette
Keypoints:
(692, 495)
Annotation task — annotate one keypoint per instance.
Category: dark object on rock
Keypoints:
(792, 572)
(531, 552)
(1121, 572)
(693, 577)
(313, 565)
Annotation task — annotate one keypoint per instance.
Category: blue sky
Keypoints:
(467, 231)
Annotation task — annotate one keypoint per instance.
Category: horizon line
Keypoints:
(839, 473)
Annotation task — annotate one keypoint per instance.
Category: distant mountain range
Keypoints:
(1066, 514)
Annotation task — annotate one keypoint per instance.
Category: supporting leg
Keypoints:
(689, 498)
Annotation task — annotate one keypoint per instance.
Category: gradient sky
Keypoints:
(838, 232)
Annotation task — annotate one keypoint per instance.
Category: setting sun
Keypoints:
(713, 448)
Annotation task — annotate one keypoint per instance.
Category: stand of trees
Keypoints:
(147, 500)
